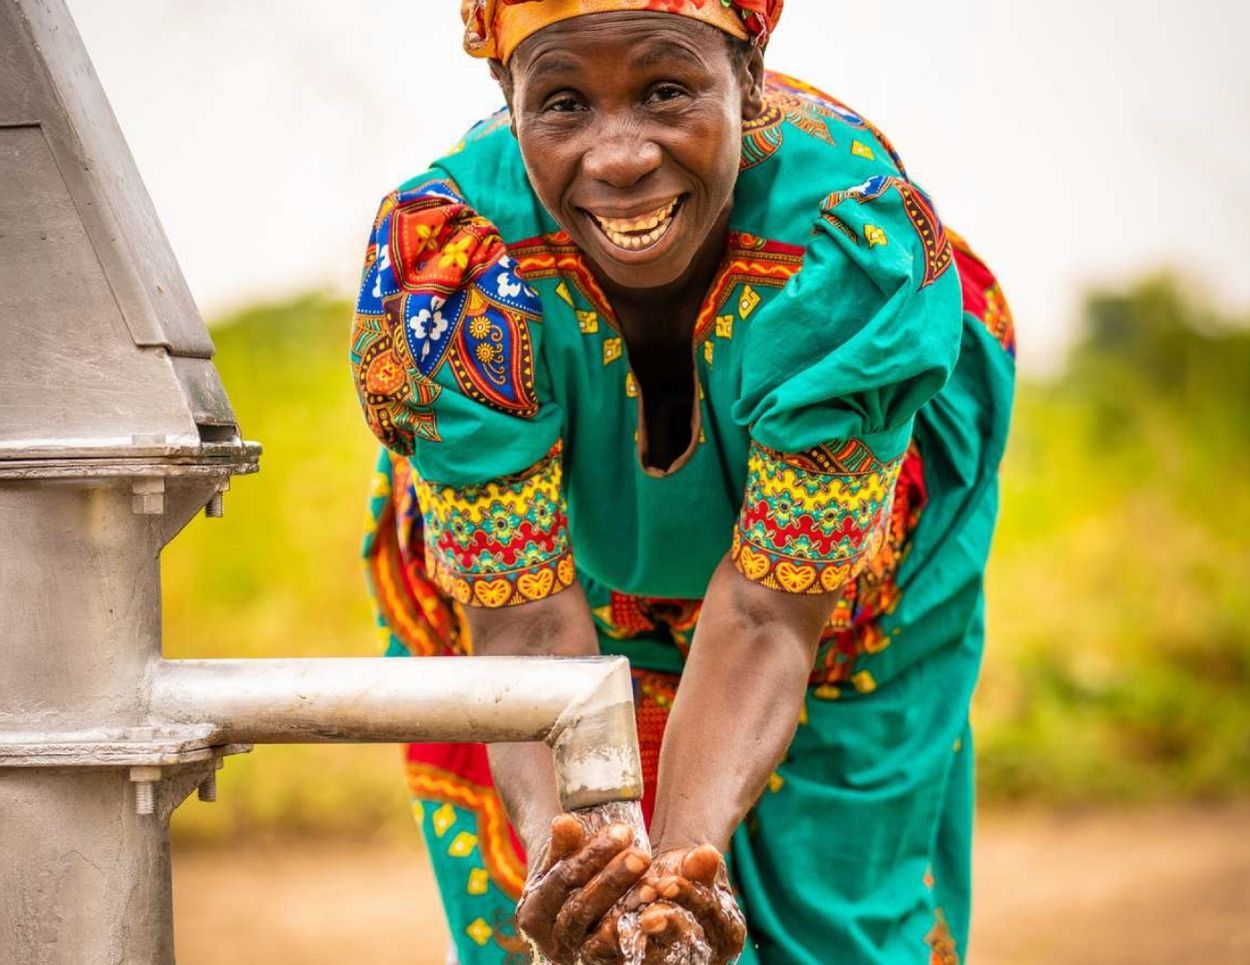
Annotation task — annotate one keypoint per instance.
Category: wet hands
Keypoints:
(681, 912)
(589, 865)
(596, 897)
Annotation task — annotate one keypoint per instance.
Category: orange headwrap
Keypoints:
(494, 28)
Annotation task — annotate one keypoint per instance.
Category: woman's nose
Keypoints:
(621, 157)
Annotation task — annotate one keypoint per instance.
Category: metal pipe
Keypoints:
(582, 707)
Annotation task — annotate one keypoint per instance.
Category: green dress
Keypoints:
(854, 364)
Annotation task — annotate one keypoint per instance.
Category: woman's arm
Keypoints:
(737, 708)
(579, 865)
(559, 626)
(736, 711)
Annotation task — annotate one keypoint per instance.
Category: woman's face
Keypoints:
(630, 126)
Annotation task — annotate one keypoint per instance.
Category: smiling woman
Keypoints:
(673, 360)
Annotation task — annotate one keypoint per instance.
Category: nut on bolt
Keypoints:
(147, 497)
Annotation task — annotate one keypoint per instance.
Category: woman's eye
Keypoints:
(666, 92)
(564, 104)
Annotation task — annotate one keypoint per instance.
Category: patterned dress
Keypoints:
(854, 364)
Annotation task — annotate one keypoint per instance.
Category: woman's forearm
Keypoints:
(524, 774)
(739, 702)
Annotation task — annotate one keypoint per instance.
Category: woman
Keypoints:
(672, 360)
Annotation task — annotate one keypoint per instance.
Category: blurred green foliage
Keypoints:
(280, 575)
(1119, 592)
(1119, 588)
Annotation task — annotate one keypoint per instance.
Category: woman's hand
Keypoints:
(588, 866)
(683, 904)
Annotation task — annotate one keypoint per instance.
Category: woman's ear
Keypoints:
(752, 80)
(503, 77)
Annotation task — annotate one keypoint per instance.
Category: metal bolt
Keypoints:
(208, 788)
(215, 508)
(144, 780)
(145, 798)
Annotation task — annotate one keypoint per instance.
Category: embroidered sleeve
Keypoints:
(445, 341)
(501, 543)
(812, 521)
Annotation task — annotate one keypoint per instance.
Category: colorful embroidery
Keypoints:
(748, 260)
(502, 543)
(752, 262)
(414, 615)
(810, 522)
(494, 837)
(439, 288)
(920, 212)
(838, 109)
(854, 628)
(983, 296)
(762, 137)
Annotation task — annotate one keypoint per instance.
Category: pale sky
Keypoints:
(1072, 141)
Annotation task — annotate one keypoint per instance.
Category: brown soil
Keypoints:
(1097, 888)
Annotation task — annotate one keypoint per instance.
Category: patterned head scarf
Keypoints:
(494, 28)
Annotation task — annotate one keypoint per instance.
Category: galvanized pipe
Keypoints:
(582, 707)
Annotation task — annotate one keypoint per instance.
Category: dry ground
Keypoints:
(1096, 888)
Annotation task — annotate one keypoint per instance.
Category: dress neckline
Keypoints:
(746, 257)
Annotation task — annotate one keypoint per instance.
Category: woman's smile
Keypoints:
(641, 234)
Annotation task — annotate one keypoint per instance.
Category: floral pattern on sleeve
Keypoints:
(501, 543)
(439, 289)
(812, 521)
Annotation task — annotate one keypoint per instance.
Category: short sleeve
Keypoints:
(835, 369)
(444, 347)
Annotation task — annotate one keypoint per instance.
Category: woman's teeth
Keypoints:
(635, 233)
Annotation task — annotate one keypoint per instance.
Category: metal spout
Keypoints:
(583, 708)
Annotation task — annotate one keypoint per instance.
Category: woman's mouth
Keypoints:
(643, 231)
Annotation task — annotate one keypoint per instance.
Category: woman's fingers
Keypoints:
(713, 908)
(583, 910)
(702, 864)
(668, 928)
(541, 904)
(566, 837)
(603, 947)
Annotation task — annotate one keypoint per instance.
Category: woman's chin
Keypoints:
(655, 267)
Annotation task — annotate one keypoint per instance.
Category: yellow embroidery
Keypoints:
(876, 237)
(748, 301)
(588, 322)
(724, 326)
(812, 521)
(864, 682)
(462, 845)
(860, 149)
(562, 290)
(444, 818)
(631, 385)
(479, 880)
(479, 931)
(501, 543)
(612, 350)
(707, 352)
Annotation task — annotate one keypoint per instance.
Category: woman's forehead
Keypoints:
(638, 41)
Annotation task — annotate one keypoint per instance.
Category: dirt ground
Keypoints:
(1095, 888)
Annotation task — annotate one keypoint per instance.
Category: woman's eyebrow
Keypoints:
(665, 51)
(554, 62)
